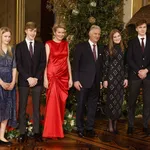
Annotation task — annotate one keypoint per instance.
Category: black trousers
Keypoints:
(23, 97)
(90, 97)
(134, 89)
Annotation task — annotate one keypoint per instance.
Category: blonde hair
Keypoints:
(56, 26)
(111, 42)
(30, 25)
(2, 31)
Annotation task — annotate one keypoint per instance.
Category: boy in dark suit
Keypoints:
(138, 58)
(87, 76)
(31, 61)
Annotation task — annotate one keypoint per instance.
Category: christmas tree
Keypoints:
(108, 14)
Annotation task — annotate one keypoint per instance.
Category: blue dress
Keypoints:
(7, 98)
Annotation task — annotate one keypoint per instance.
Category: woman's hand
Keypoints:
(125, 83)
(70, 83)
(4, 84)
(105, 84)
(11, 86)
(46, 83)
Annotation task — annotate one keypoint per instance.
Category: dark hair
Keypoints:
(140, 22)
(111, 43)
(30, 25)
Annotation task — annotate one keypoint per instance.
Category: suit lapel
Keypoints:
(26, 50)
(139, 45)
(90, 51)
(147, 45)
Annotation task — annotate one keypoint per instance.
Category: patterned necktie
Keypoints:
(94, 51)
(142, 44)
(31, 49)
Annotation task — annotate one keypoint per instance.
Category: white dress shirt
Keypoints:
(139, 37)
(96, 49)
(28, 43)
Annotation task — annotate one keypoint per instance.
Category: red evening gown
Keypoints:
(57, 92)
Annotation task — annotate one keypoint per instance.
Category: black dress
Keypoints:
(115, 71)
(7, 98)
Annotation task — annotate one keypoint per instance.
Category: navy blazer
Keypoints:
(85, 69)
(30, 67)
(137, 59)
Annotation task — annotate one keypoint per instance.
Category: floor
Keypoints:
(104, 140)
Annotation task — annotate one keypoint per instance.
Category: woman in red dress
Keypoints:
(57, 81)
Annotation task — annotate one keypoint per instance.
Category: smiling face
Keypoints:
(59, 34)
(116, 38)
(94, 35)
(141, 29)
(31, 34)
(6, 38)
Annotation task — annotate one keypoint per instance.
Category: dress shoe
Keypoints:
(38, 137)
(146, 131)
(130, 131)
(80, 134)
(22, 138)
(90, 133)
(5, 143)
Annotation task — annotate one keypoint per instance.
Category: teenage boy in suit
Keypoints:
(138, 58)
(31, 61)
(87, 77)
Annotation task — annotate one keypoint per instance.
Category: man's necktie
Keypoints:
(142, 44)
(94, 51)
(31, 49)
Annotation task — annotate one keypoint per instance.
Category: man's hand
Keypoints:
(142, 73)
(77, 85)
(105, 84)
(32, 81)
(101, 85)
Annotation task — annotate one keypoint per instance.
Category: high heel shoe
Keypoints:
(8, 143)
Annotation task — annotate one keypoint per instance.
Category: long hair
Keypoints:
(2, 31)
(111, 43)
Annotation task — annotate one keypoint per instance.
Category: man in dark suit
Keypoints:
(31, 61)
(87, 77)
(138, 58)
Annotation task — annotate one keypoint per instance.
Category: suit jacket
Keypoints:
(137, 59)
(85, 69)
(30, 67)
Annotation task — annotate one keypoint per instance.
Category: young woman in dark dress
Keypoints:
(115, 78)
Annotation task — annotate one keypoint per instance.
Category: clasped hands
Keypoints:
(32, 81)
(7, 86)
(142, 73)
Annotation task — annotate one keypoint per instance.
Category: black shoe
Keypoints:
(22, 138)
(130, 131)
(80, 134)
(90, 133)
(38, 137)
(146, 131)
(5, 143)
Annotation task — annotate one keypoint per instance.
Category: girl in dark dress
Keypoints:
(7, 83)
(115, 78)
